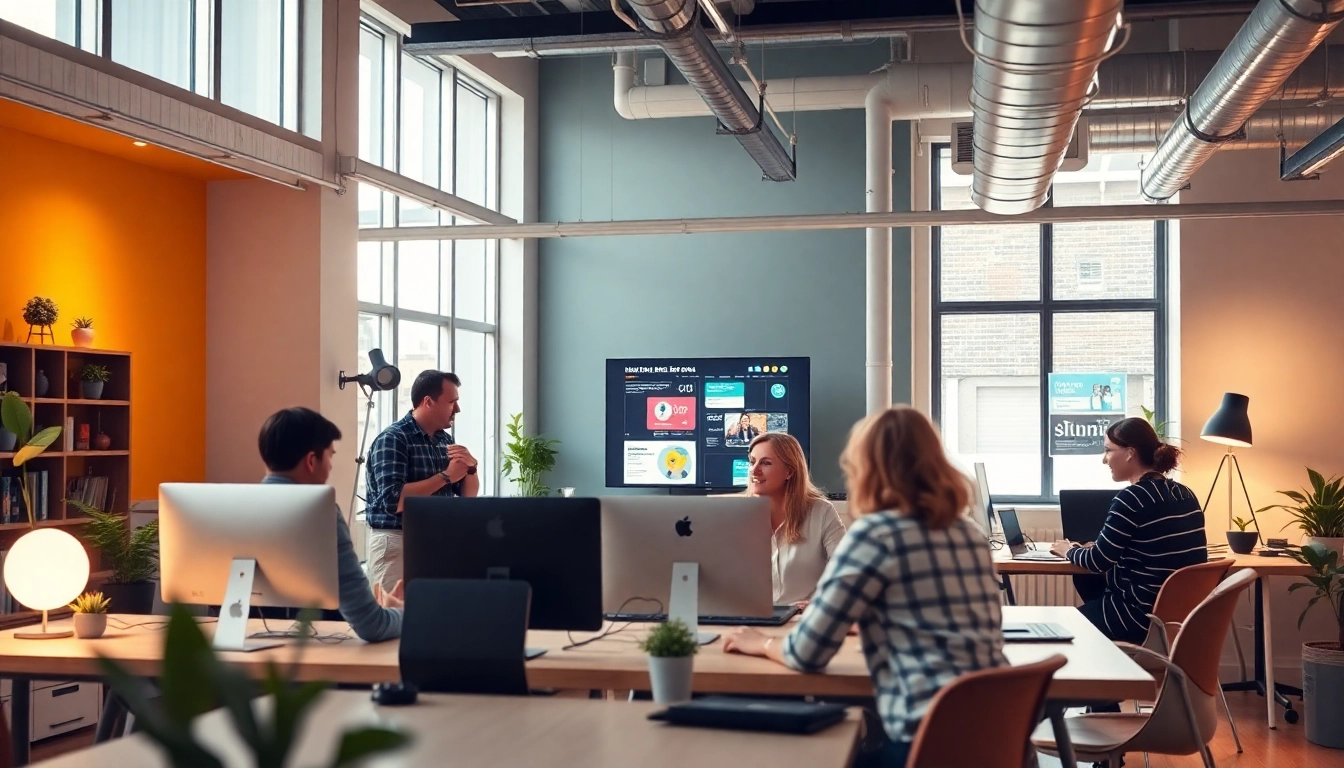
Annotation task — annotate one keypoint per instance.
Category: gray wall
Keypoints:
(611, 297)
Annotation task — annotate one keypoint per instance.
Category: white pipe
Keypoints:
(877, 259)
(623, 72)
(829, 221)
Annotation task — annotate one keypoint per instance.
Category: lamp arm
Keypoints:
(1241, 477)
(359, 460)
(1214, 485)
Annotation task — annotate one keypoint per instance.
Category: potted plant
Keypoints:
(18, 420)
(93, 377)
(1323, 662)
(41, 314)
(193, 681)
(1241, 540)
(1319, 511)
(671, 648)
(90, 615)
(529, 457)
(82, 335)
(132, 556)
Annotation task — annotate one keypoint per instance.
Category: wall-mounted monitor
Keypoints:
(687, 422)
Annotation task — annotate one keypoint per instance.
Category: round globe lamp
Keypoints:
(44, 570)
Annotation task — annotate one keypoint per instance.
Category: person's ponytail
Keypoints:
(1165, 458)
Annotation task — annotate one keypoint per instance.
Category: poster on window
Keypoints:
(1082, 406)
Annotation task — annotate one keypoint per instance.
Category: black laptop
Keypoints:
(1083, 513)
(753, 714)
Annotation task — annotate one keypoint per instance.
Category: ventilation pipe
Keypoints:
(1272, 43)
(1035, 66)
(1269, 128)
(690, 50)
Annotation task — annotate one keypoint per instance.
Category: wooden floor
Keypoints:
(1284, 747)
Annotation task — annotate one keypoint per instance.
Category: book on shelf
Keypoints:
(69, 434)
(91, 490)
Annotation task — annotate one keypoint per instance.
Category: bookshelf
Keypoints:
(63, 403)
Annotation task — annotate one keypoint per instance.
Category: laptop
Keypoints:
(1017, 543)
(780, 616)
(798, 717)
(1035, 632)
(1083, 513)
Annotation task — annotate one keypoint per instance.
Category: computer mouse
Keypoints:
(394, 694)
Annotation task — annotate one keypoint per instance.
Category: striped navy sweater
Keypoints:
(1154, 527)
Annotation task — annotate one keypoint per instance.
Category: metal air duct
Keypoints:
(690, 50)
(1111, 133)
(1272, 43)
(1035, 66)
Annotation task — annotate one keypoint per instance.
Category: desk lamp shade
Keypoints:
(44, 570)
(1230, 424)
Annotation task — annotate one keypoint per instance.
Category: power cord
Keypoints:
(295, 631)
(611, 628)
(116, 623)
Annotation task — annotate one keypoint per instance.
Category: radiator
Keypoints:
(1035, 589)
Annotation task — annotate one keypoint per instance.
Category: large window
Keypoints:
(1015, 302)
(429, 303)
(242, 53)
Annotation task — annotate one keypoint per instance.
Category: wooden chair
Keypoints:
(1182, 591)
(1009, 699)
(1184, 716)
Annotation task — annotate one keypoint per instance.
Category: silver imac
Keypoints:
(237, 546)
(698, 556)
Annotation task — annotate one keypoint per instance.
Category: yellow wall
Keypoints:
(124, 243)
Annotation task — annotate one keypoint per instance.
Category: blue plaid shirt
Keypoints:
(403, 454)
(927, 605)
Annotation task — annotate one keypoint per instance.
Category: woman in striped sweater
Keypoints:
(1154, 527)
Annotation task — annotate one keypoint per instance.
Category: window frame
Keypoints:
(1045, 307)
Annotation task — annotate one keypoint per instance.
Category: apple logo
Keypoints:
(495, 527)
(236, 610)
(684, 526)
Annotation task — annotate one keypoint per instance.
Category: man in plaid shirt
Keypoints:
(414, 457)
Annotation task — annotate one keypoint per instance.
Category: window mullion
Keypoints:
(1047, 355)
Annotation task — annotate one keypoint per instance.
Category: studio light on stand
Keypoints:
(1230, 425)
(382, 377)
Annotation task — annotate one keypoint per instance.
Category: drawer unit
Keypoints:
(58, 708)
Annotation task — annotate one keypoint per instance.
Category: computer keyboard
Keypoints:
(1037, 554)
(782, 614)
(1035, 632)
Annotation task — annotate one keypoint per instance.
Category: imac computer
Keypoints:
(984, 504)
(697, 556)
(553, 544)
(238, 546)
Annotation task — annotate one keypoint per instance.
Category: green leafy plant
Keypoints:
(132, 555)
(1241, 524)
(17, 418)
(194, 681)
(671, 639)
(91, 602)
(40, 311)
(1327, 578)
(1319, 511)
(1160, 427)
(527, 459)
(94, 372)
(83, 322)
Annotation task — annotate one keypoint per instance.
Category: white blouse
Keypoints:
(797, 567)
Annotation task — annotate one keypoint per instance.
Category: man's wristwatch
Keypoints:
(471, 470)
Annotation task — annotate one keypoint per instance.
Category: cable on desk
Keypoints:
(116, 623)
(296, 631)
(611, 630)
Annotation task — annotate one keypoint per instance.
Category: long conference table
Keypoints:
(1096, 670)
(1263, 679)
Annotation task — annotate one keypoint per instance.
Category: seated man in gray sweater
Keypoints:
(297, 445)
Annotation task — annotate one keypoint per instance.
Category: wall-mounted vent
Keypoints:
(963, 148)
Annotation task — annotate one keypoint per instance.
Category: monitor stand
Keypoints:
(501, 573)
(231, 631)
(683, 600)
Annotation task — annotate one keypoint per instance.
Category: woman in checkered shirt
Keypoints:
(913, 572)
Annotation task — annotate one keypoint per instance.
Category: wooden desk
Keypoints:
(1263, 680)
(505, 732)
(1096, 671)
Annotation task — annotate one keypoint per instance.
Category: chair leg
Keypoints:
(1227, 709)
(1145, 761)
(1207, 754)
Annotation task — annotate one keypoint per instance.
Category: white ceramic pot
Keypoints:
(90, 626)
(671, 678)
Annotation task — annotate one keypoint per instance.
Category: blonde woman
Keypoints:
(913, 571)
(807, 527)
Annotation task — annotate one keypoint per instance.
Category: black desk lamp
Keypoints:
(1230, 425)
(382, 376)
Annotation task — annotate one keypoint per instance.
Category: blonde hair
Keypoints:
(895, 461)
(799, 492)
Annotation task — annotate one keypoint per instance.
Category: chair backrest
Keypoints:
(1014, 696)
(1199, 645)
(1187, 588)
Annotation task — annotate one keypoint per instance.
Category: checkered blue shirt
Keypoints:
(403, 454)
(927, 605)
